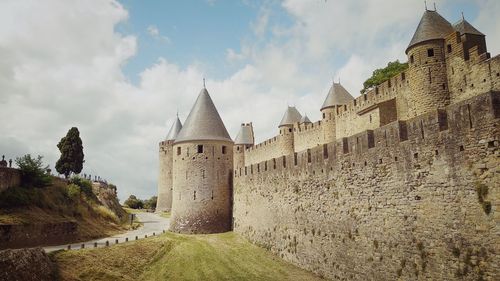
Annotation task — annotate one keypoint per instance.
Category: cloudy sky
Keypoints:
(120, 70)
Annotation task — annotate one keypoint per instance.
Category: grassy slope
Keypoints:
(51, 204)
(170, 256)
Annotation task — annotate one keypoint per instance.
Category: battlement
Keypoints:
(402, 137)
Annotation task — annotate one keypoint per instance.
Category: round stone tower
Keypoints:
(290, 118)
(164, 203)
(244, 140)
(427, 65)
(202, 172)
(336, 97)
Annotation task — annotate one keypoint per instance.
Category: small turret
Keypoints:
(305, 120)
(165, 168)
(244, 140)
(470, 37)
(427, 65)
(290, 118)
(337, 96)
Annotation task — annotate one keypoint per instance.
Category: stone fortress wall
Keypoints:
(406, 200)
(9, 177)
(401, 183)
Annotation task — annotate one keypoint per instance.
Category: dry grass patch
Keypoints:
(225, 256)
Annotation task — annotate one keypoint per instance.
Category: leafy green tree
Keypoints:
(133, 202)
(33, 172)
(71, 148)
(150, 203)
(382, 74)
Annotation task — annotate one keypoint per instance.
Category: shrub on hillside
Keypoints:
(85, 186)
(74, 191)
(33, 172)
(19, 197)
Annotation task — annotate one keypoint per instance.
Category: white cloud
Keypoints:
(155, 33)
(61, 66)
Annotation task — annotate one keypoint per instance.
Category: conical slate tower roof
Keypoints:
(245, 135)
(336, 96)
(203, 122)
(464, 27)
(290, 117)
(305, 119)
(432, 26)
(174, 130)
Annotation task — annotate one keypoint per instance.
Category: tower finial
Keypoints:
(463, 17)
(204, 83)
(435, 7)
(425, 4)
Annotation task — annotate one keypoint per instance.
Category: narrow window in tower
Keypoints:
(200, 148)
(370, 118)
(295, 158)
(194, 195)
(365, 96)
(212, 195)
(448, 47)
(245, 171)
(308, 156)
(284, 161)
(430, 52)
(237, 148)
(223, 149)
(178, 151)
(403, 76)
(325, 151)
(412, 59)
(203, 174)
(324, 115)
(430, 75)
(274, 163)
(290, 130)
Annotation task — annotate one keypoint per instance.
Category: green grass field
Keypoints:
(225, 256)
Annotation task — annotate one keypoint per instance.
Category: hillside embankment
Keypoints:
(61, 212)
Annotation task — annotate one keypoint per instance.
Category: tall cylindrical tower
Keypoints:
(164, 203)
(202, 172)
(337, 96)
(427, 65)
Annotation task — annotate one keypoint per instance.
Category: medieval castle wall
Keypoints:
(9, 177)
(401, 183)
(413, 199)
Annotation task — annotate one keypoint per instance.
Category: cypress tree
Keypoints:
(71, 148)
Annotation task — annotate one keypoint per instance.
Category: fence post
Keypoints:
(83, 246)
(69, 247)
(107, 243)
(116, 241)
(95, 244)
